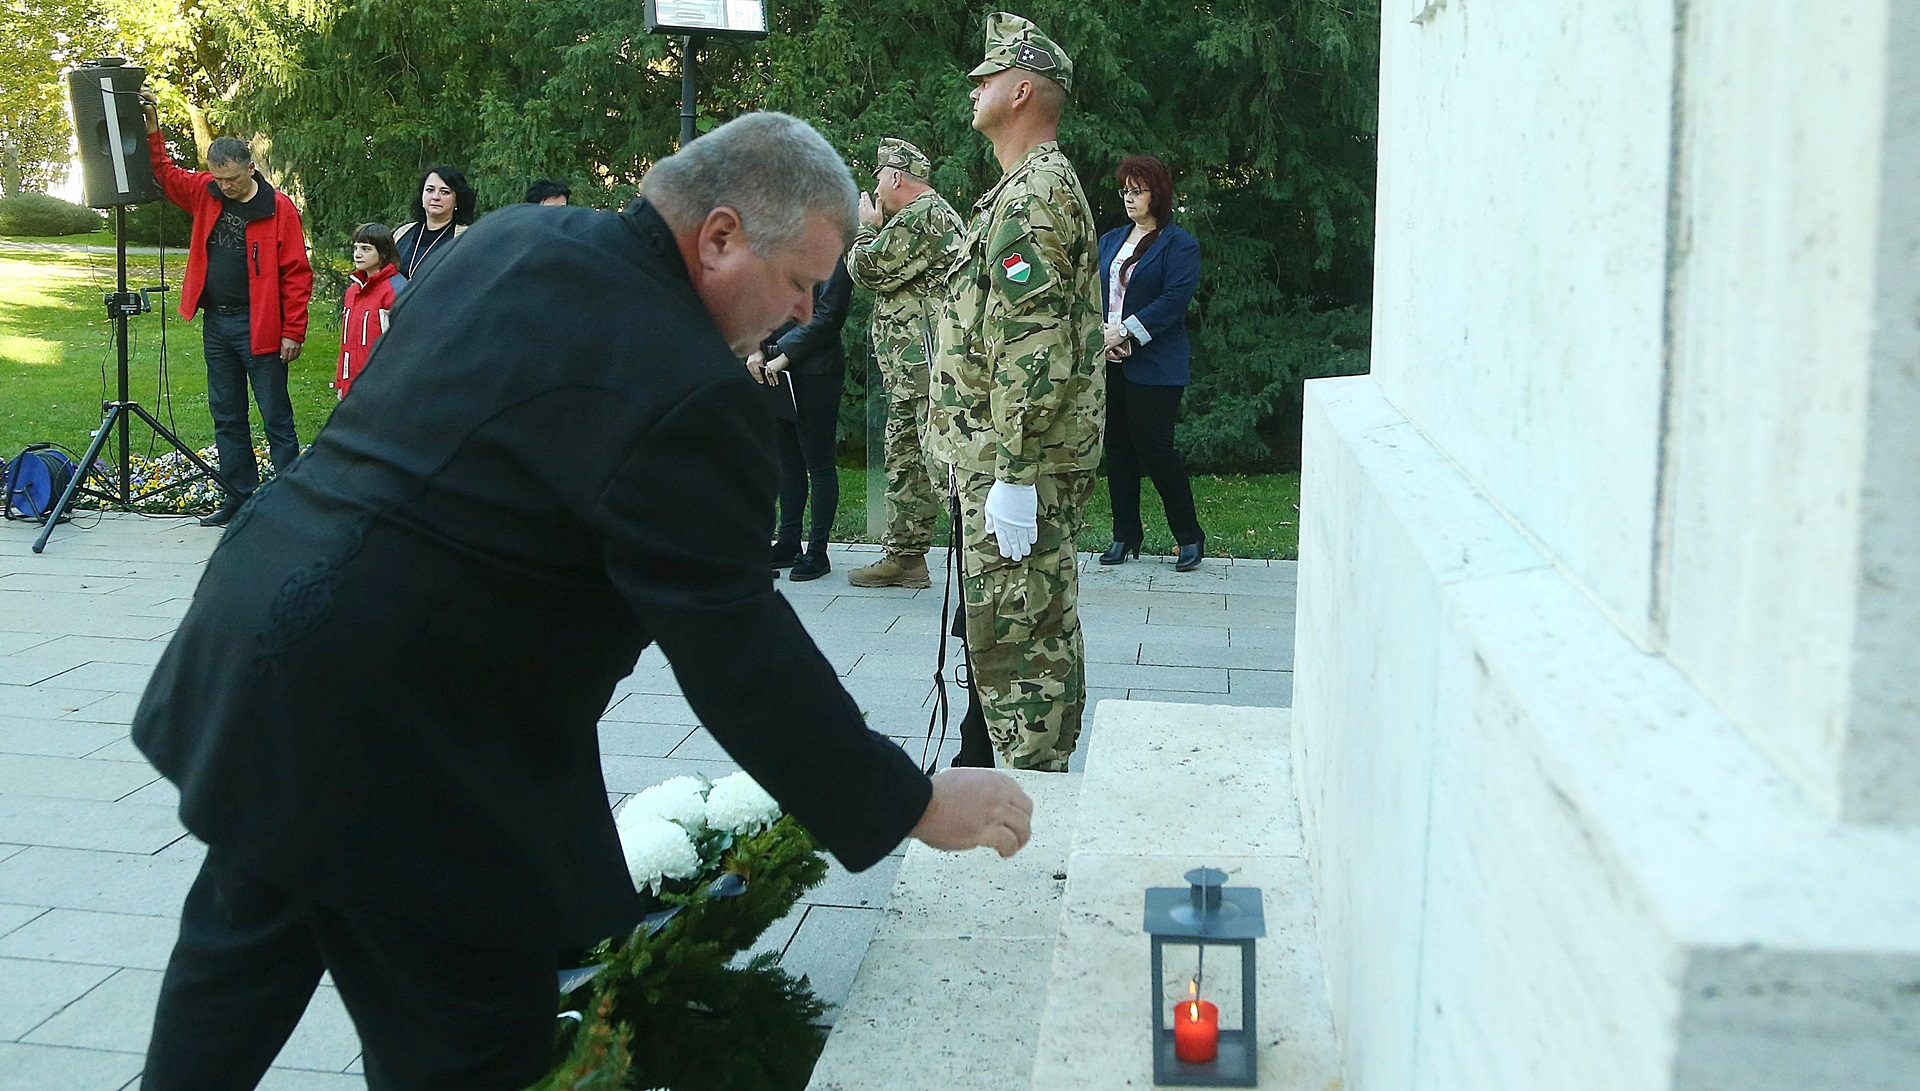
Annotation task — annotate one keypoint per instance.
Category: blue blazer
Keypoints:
(1159, 288)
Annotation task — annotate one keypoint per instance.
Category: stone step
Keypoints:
(1167, 788)
(950, 991)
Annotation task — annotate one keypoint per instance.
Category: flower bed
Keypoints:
(672, 1006)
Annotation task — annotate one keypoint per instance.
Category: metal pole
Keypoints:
(120, 249)
(687, 77)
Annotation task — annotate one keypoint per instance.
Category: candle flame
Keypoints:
(1193, 1011)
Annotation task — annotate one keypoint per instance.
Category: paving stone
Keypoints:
(116, 708)
(325, 1039)
(700, 746)
(881, 640)
(55, 738)
(642, 739)
(630, 774)
(827, 949)
(1261, 687)
(88, 622)
(907, 664)
(39, 582)
(45, 1068)
(14, 916)
(1134, 676)
(120, 749)
(113, 677)
(12, 643)
(46, 701)
(652, 708)
(108, 882)
(865, 890)
(295, 1079)
(74, 824)
(36, 991)
(116, 1014)
(71, 778)
(101, 939)
(30, 668)
(186, 849)
(158, 792)
(1126, 596)
(1178, 697)
(1112, 617)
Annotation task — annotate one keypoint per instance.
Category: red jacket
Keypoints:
(368, 294)
(279, 280)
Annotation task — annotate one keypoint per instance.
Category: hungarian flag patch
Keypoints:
(1017, 272)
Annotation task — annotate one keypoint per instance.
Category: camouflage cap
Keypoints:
(901, 155)
(1013, 42)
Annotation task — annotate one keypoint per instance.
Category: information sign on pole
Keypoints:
(707, 18)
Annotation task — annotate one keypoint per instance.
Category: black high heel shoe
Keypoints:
(1118, 551)
(1189, 558)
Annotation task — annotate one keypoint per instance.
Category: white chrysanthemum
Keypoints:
(681, 799)
(738, 805)
(656, 849)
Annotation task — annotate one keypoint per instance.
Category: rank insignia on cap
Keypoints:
(1017, 268)
(1034, 59)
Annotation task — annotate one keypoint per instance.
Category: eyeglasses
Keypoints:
(1136, 193)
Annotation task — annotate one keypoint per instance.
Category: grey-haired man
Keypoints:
(543, 479)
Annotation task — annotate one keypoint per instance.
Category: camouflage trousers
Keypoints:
(1023, 623)
(912, 501)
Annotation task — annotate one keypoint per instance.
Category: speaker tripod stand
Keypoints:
(122, 305)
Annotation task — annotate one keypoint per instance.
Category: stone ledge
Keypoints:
(949, 993)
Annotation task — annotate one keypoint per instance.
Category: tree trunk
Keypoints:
(202, 133)
(10, 170)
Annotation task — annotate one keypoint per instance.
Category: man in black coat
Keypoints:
(381, 708)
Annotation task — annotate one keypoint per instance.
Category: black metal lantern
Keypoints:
(1190, 1049)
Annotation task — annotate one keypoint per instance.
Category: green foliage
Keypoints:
(155, 224)
(673, 1009)
(39, 214)
(1247, 379)
(1264, 110)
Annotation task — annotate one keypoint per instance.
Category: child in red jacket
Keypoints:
(369, 297)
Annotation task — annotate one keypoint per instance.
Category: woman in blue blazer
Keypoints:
(1148, 271)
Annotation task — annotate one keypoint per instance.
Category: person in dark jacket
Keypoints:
(810, 357)
(443, 207)
(1149, 269)
(539, 480)
(247, 270)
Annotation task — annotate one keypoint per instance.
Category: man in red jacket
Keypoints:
(247, 268)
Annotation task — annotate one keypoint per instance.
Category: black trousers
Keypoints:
(806, 458)
(432, 1016)
(1140, 422)
(231, 368)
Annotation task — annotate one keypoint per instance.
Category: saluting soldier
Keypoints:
(907, 239)
(1017, 402)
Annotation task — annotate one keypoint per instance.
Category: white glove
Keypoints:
(1013, 516)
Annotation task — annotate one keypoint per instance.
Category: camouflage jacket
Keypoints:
(1017, 388)
(904, 263)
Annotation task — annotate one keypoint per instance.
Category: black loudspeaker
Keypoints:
(107, 118)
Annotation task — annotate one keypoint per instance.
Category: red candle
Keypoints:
(1196, 1031)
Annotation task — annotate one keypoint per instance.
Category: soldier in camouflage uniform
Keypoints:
(1018, 405)
(905, 244)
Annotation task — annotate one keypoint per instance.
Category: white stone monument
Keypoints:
(1607, 705)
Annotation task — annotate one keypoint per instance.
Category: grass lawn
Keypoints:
(57, 365)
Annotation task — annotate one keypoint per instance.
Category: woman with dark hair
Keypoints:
(1149, 269)
(370, 293)
(810, 360)
(442, 208)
